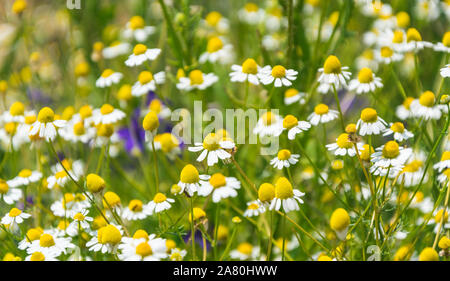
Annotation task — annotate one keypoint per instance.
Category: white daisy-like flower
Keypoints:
(284, 159)
(177, 254)
(254, 208)
(370, 123)
(427, 10)
(141, 54)
(70, 204)
(271, 42)
(220, 186)
(269, 124)
(274, 19)
(424, 107)
(444, 176)
(399, 132)
(153, 249)
(294, 127)
(366, 82)
(445, 71)
(136, 28)
(190, 180)
(197, 80)
(9, 195)
(403, 111)
(343, 146)
(46, 125)
(107, 114)
(387, 55)
(216, 23)
(444, 163)
(39, 256)
(293, 95)
(16, 113)
(286, 196)
(25, 177)
(367, 59)
(147, 82)
(81, 222)
(136, 210)
(245, 251)
(60, 177)
(333, 72)
(160, 203)
(443, 46)
(440, 215)
(214, 147)
(278, 75)
(415, 42)
(413, 170)
(389, 157)
(77, 130)
(14, 217)
(167, 143)
(157, 106)
(106, 240)
(108, 78)
(247, 72)
(251, 14)
(217, 51)
(51, 244)
(322, 114)
(116, 49)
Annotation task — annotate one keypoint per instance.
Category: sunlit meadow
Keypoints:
(224, 130)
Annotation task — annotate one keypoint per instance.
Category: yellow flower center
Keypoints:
(151, 121)
(78, 129)
(366, 151)
(3, 187)
(343, 141)
(79, 217)
(429, 254)
(196, 77)
(168, 142)
(110, 235)
(37, 256)
(398, 37)
(30, 119)
(105, 130)
(155, 105)
(407, 102)
(95, 183)
(106, 109)
(438, 216)
(61, 174)
(214, 45)
(46, 115)
(124, 92)
(136, 22)
(289, 122)
(445, 156)
(145, 77)
(284, 154)
(340, 220)
(249, 66)
(14, 212)
(159, 198)
(140, 234)
(391, 150)
(268, 118)
(412, 167)
(11, 128)
(332, 65)
(266, 192)
(213, 18)
(278, 71)
(369, 115)
(217, 180)
(446, 39)
(253, 206)
(427, 99)
(135, 205)
(17, 109)
(86, 111)
(144, 249)
(245, 248)
(112, 199)
(413, 35)
(321, 109)
(365, 75)
(251, 7)
(211, 142)
(189, 174)
(19, 6)
(46, 240)
(398, 127)
(368, 54)
(107, 72)
(139, 49)
(386, 52)
(25, 173)
(403, 20)
(419, 196)
(290, 93)
(198, 214)
(283, 188)
(351, 128)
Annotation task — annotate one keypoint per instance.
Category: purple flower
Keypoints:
(133, 135)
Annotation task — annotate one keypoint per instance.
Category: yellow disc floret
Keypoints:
(278, 71)
(266, 192)
(289, 122)
(369, 115)
(343, 141)
(427, 99)
(159, 198)
(332, 65)
(365, 75)
(95, 183)
(196, 77)
(340, 220)
(151, 121)
(249, 66)
(283, 188)
(428, 254)
(284, 154)
(217, 180)
(391, 150)
(189, 174)
(139, 49)
(46, 115)
(321, 109)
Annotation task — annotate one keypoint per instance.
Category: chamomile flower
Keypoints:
(16, 113)
(151, 249)
(25, 177)
(403, 111)
(245, 251)
(424, 107)
(169, 144)
(136, 210)
(387, 55)
(157, 106)
(322, 114)
(31, 235)
(294, 127)
(443, 46)
(190, 180)
(343, 146)
(147, 82)
(215, 21)
(116, 49)
(214, 147)
(293, 95)
(247, 72)
(278, 75)
(46, 124)
(9, 195)
(389, 157)
(107, 114)
(366, 82)
(39, 256)
(141, 54)
(444, 163)
(398, 130)
(333, 72)
(284, 159)
(427, 9)
(60, 176)
(269, 124)
(445, 71)
(107, 239)
(370, 123)
(339, 222)
(217, 51)
(14, 217)
(251, 14)
(108, 78)
(136, 29)
(177, 254)
(220, 186)
(254, 208)
(81, 222)
(367, 59)
(160, 203)
(197, 80)
(286, 196)
(413, 171)
(414, 41)
(70, 204)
